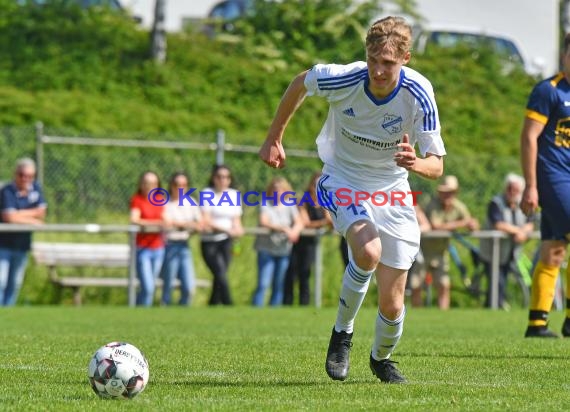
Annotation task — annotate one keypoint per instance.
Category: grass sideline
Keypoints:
(243, 358)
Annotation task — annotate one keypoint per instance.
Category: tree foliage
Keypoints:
(60, 45)
(329, 29)
(89, 71)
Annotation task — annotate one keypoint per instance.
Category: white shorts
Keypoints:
(394, 219)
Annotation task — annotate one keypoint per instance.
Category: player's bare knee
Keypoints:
(367, 256)
(553, 253)
(391, 310)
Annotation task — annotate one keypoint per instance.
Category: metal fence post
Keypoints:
(220, 146)
(495, 272)
(318, 270)
(132, 289)
(40, 153)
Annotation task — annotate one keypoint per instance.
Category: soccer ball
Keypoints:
(118, 370)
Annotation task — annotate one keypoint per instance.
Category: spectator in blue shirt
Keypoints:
(21, 202)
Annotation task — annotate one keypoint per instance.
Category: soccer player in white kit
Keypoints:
(379, 110)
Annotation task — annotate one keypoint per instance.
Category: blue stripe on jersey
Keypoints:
(420, 94)
(345, 77)
(427, 106)
(343, 85)
(332, 83)
(324, 197)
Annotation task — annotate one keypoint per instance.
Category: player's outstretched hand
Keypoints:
(273, 154)
(406, 156)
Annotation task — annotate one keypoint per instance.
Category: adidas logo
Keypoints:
(349, 112)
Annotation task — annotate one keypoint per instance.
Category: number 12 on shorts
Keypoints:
(358, 211)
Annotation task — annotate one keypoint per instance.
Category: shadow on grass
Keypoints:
(529, 356)
(257, 384)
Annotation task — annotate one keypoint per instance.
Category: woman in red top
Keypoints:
(150, 246)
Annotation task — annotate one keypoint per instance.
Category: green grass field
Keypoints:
(271, 359)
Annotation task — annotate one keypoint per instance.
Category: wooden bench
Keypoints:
(56, 255)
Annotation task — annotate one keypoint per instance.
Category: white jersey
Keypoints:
(224, 207)
(361, 133)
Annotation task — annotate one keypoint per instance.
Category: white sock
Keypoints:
(388, 333)
(355, 283)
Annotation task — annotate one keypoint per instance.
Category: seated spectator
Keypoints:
(221, 225)
(21, 202)
(313, 216)
(274, 248)
(505, 214)
(444, 212)
(180, 222)
(150, 246)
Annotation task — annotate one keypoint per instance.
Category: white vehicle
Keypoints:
(475, 38)
(532, 26)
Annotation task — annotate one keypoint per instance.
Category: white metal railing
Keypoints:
(219, 146)
(496, 236)
(132, 230)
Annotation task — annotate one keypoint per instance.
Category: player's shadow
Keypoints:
(256, 384)
(475, 355)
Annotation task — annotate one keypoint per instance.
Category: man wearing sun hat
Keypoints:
(449, 184)
(445, 212)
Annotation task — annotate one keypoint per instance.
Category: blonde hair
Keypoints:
(392, 32)
(311, 186)
(278, 182)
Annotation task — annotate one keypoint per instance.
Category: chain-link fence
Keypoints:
(92, 179)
